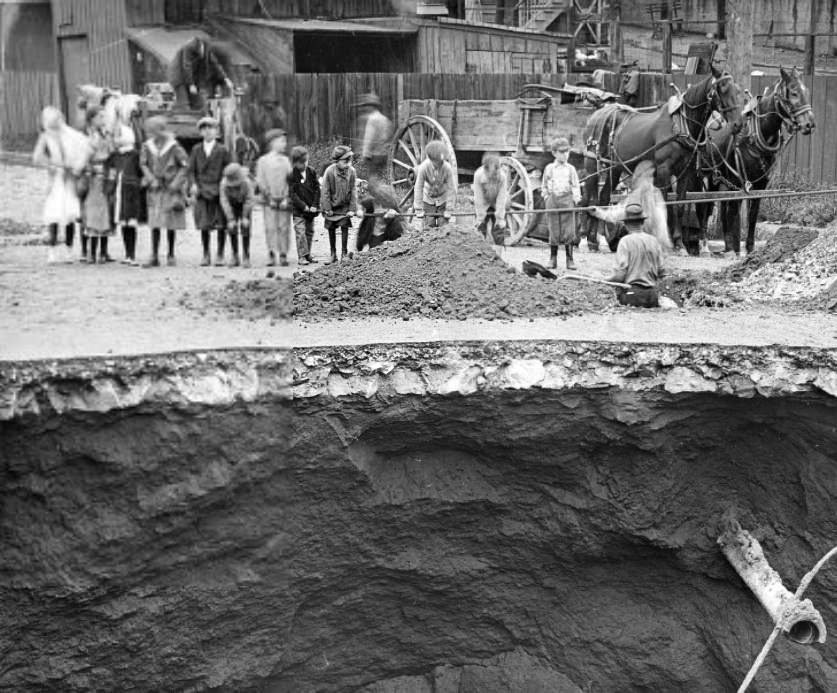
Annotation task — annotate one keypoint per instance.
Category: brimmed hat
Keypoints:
(368, 100)
(272, 134)
(562, 144)
(156, 125)
(207, 122)
(340, 152)
(234, 173)
(634, 213)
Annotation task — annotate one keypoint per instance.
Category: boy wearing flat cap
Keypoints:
(273, 172)
(339, 199)
(562, 190)
(237, 198)
(206, 168)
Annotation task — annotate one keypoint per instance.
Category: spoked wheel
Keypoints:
(521, 196)
(408, 152)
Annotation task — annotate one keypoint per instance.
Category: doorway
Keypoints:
(75, 69)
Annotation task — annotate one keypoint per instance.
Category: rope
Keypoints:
(803, 585)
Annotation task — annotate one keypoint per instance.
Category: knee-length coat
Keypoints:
(206, 173)
(165, 172)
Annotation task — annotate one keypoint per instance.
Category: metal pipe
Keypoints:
(797, 619)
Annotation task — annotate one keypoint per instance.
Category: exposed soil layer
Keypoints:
(414, 519)
(450, 273)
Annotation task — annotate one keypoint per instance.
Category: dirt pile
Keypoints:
(448, 273)
(795, 267)
(258, 298)
(14, 232)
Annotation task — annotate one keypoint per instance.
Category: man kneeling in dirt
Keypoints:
(639, 262)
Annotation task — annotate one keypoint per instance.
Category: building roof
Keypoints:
(322, 26)
(163, 43)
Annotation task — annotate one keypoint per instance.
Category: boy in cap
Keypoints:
(237, 197)
(639, 262)
(339, 199)
(305, 194)
(273, 171)
(206, 168)
(164, 167)
(435, 187)
(561, 189)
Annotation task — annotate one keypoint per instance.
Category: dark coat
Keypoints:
(207, 72)
(305, 194)
(388, 230)
(128, 195)
(207, 174)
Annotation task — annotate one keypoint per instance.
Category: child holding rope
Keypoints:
(490, 198)
(562, 190)
(55, 150)
(237, 198)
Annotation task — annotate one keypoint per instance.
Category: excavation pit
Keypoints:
(527, 516)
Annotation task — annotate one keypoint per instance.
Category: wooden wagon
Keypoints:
(521, 130)
(159, 99)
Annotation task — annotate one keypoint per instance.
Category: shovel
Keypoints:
(595, 280)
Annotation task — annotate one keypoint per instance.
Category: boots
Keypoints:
(569, 250)
(553, 257)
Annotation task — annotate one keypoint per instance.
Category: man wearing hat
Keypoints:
(639, 262)
(377, 134)
(273, 171)
(206, 169)
(198, 67)
(339, 198)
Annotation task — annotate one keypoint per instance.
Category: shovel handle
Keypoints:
(596, 280)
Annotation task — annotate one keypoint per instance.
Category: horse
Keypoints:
(120, 109)
(745, 162)
(619, 137)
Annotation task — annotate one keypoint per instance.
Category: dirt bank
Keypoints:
(419, 518)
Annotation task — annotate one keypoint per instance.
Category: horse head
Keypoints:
(793, 101)
(726, 97)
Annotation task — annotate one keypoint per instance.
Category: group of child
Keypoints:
(102, 181)
(121, 184)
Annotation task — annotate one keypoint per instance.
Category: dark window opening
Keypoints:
(346, 53)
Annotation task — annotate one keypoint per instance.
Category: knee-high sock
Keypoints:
(332, 239)
(234, 242)
(69, 234)
(205, 237)
(103, 245)
(170, 237)
(222, 240)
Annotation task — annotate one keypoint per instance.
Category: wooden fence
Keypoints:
(22, 96)
(319, 106)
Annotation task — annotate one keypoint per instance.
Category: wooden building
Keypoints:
(126, 43)
(26, 43)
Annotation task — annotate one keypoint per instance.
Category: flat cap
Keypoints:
(207, 122)
(340, 152)
(273, 133)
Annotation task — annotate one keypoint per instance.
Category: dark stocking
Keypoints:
(245, 244)
(104, 247)
(69, 234)
(222, 240)
(332, 240)
(155, 243)
(233, 243)
(205, 236)
(344, 240)
(53, 234)
(170, 237)
(94, 246)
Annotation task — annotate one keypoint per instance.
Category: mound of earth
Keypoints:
(796, 267)
(448, 273)
(14, 232)
(251, 299)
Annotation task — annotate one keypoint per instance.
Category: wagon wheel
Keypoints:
(408, 152)
(521, 196)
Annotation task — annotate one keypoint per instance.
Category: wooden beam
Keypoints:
(740, 18)
(811, 41)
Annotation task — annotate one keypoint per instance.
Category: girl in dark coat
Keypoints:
(128, 197)
(206, 169)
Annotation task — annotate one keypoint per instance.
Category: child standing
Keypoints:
(562, 190)
(273, 172)
(206, 168)
(129, 203)
(62, 206)
(339, 199)
(98, 223)
(435, 187)
(164, 169)
(305, 195)
(237, 197)
(490, 198)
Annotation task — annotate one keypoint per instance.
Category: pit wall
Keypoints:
(419, 519)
